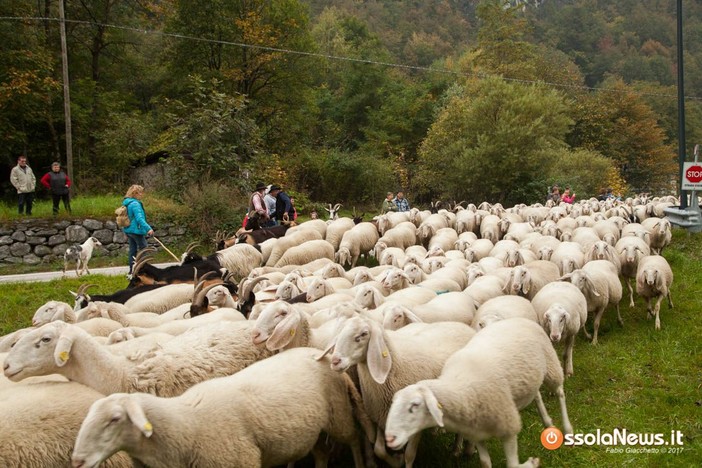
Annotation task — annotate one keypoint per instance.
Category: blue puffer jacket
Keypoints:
(137, 217)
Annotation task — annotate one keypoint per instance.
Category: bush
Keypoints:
(213, 206)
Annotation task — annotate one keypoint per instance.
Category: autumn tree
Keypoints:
(616, 122)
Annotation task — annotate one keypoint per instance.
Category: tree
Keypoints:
(618, 123)
(493, 143)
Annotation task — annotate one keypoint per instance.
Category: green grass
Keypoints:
(637, 378)
(93, 206)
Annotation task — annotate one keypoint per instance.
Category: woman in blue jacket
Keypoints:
(138, 228)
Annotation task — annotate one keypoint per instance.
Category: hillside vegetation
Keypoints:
(342, 101)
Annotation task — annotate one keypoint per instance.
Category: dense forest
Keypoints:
(342, 101)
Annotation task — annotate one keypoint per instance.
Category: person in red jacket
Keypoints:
(58, 183)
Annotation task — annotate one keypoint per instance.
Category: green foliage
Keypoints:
(212, 206)
(327, 174)
(586, 172)
(494, 143)
(210, 135)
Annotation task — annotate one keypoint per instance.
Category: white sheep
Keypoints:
(240, 259)
(430, 227)
(568, 256)
(481, 390)
(490, 228)
(9, 340)
(653, 279)
(393, 256)
(562, 311)
(601, 250)
(164, 298)
(356, 242)
(81, 255)
(479, 249)
(599, 283)
(503, 308)
(467, 221)
(53, 310)
(306, 252)
(445, 239)
(288, 241)
(660, 231)
(40, 423)
(387, 361)
(202, 353)
(222, 430)
(449, 307)
(527, 280)
(631, 250)
(336, 230)
(318, 225)
(485, 288)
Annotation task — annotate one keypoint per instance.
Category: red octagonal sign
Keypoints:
(694, 174)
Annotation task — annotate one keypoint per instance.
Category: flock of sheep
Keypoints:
(455, 329)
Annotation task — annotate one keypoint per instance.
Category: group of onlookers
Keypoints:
(56, 181)
(271, 204)
(395, 203)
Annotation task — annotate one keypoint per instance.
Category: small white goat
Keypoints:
(81, 254)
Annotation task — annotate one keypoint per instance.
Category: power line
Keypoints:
(338, 57)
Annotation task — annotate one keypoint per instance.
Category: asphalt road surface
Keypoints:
(50, 275)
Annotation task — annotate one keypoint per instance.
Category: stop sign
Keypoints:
(694, 174)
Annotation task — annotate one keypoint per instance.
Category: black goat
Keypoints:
(143, 273)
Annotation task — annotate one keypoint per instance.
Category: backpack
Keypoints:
(122, 217)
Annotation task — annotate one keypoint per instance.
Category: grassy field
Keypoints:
(637, 378)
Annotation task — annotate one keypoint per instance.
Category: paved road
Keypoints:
(50, 275)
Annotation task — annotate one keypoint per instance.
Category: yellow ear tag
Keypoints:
(439, 405)
(148, 426)
(63, 356)
(292, 332)
(385, 353)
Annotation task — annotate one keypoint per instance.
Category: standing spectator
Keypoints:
(568, 197)
(555, 195)
(58, 183)
(270, 206)
(282, 204)
(23, 180)
(257, 206)
(401, 202)
(388, 204)
(138, 228)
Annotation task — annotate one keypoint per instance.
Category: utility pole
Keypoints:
(681, 105)
(66, 93)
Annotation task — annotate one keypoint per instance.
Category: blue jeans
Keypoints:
(137, 242)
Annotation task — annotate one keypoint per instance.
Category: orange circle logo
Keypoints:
(551, 438)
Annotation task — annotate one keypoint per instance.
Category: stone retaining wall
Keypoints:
(33, 241)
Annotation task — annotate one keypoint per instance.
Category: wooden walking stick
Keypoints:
(166, 249)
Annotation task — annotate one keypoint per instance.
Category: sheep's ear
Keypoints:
(526, 284)
(433, 405)
(566, 277)
(412, 317)
(62, 352)
(284, 332)
(660, 286)
(378, 357)
(330, 348)
(377, 298)
(137, 416)
(594, 288)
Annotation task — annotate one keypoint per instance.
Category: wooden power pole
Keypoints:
(66, 93)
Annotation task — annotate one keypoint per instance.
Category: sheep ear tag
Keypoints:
(433, 405)
(138, 418)
(62, 352)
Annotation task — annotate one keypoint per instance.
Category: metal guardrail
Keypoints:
(689, 218)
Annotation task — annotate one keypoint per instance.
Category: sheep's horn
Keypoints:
(337, 206)
(247, 285)
(191, 246)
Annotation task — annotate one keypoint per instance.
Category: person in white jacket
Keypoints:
(22, 178)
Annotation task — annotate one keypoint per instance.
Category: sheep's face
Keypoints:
(218, 296)
(113, 423)
(520, 279)
(118, 336)
(393, 280)
(435, 251)
(555, 320)
(568, 265)
(316, 290)
(270, 317)
(413, 272)
(33, 354)
(286, 290)
(650, 276)
(394, 318)
(351, 344)
(365, 297)
(362, 277)
(46, 313)
(413, 409)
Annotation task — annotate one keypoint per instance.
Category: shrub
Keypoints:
(213, 205)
